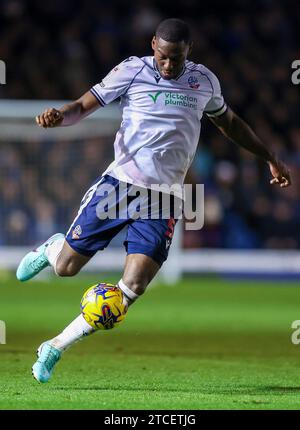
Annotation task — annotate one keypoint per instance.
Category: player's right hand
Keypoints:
(281, 174)
(50, 118)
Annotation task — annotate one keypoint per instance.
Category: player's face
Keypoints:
(170, 57)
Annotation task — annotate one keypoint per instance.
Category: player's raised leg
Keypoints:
(37, 260)
(138, 273)
(67, 261)
(55, 252)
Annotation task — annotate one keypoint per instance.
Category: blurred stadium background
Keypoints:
(55, 51)
(207, 342)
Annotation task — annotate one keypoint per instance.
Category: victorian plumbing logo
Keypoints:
(175, 99)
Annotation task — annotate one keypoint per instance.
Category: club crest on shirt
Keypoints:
(77, 232)
(193, 82)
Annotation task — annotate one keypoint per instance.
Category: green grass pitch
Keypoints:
(205, 343)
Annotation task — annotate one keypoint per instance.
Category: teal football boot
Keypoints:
(36, 260)
(48, 356)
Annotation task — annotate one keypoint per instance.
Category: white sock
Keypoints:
(74, 332)
(53, 250)
(129, 295)
(79, 328)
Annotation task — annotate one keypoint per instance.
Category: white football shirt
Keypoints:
(160, 127)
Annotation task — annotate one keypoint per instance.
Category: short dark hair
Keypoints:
(173, 30)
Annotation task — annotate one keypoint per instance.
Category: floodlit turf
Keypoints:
(203, 344)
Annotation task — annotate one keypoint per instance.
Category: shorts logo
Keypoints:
(77, 232)
(193, 82)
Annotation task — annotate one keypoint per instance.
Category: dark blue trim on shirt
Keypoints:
(132, 80)
(98, 97)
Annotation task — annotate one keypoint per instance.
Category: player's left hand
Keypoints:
(280, 173)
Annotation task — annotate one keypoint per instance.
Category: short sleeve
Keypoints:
(216, 106)
(117, 81)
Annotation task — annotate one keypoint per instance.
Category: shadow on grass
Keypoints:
(171, 390)
(280, 390)
(248, 391)
(200, 390)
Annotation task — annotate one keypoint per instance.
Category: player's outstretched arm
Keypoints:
(69, 114)
(237, 130)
